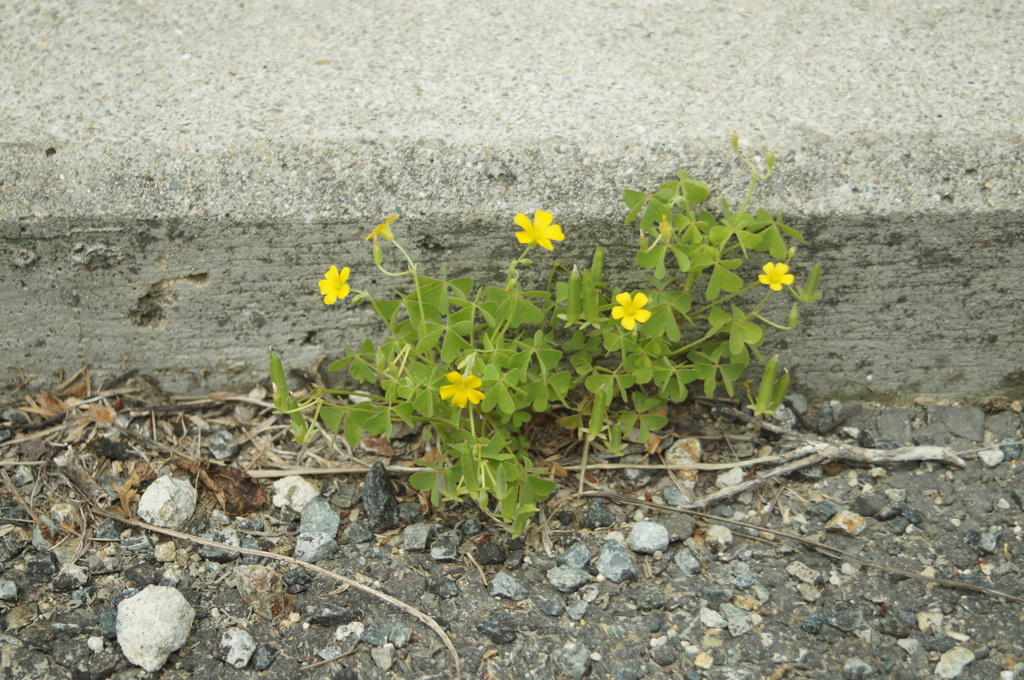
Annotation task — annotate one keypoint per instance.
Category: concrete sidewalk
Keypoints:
(176, 176)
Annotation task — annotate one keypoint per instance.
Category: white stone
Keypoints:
(909, 645)
(236, 647)
(952, 663)
(991, 457)
(152, 625)
(95, 643)
(165, 552)
(711, 618)
(648, 537)
(729, 478)
(294, 491)
(168, 502)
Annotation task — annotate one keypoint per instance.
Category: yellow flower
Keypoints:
(462, 390)
(629, 310)
(775, 275)
(333, 286)
(383, 230)
(540, 231)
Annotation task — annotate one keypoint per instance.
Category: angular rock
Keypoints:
(319, 517)
(568, 579)
(597, 516)
(8, 591)
(614, 563)
(446, 547)
(718, 538)
(577, 556)
(357, 532)
(417, 536)
(236, 647)
(228, 537)
(505, 585)
(152, 625)
(383, 657)
(69, 577)
(847, 522)
(648, 537)
(687, 562)
(491, 552)
(314, 547)
(548, 603)
(573, 661)
(168, 502)
(953, 662)
(499, 628)
(262, 589)
(379, 500)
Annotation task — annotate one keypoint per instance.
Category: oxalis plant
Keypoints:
(473, 364)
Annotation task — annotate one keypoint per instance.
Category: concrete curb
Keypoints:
(173, 214)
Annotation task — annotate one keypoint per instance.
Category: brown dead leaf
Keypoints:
(140, 471)
(652, 444)
(101, 414)
(242, 493)
(236, 492)
(378, 445)
(558, 471)
(431, 457)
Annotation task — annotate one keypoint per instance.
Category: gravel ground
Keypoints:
(605, 590)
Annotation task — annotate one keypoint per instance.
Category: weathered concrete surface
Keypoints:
(175, 177)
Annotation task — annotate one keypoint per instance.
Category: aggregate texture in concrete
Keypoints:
(176, 176)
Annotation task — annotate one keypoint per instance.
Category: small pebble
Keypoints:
(615, 564)
(991, 457)
(847, 522)
(730, 478)
(293, 492)
(505, 585)
(718, 538)
(236, 647)
(953, 662)
(648, 537)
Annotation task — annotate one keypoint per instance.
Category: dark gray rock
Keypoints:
(499, 628)
(845, 617)
(894, 425)
(357, 532)
(226, 536)
(41, 565)
(444, 588)
(548, 603)
(446, 547)
(665, 655)
(410, 513)
(379, 500)
(578, 556)
(597, 516)
(615, 564)
(1003, 425)
(491, 552)
(323, 612)
(374, 634)
(825, 510)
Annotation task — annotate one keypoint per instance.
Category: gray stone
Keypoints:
(505, 585)
(400, 635)
(236, 647)
(357, 532)
(69, 577)
(383, 657)
(323, 612)
(446, 547)
(417, 536)
(574, 661)
(578, 555)
(319, 517)
(857, 669)
(577, 609)
(967, 422)
(221, 443)
(379, 500)
(374, 634)
(8, 590)
(1003, 425)
(614, 563)
(648, 537)
(226, 536)
(991, 457)
(894, 425)
(316, 546)
(687, 561)
(567, 579)
(548, 603)
(674, 497)
(826, 509)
